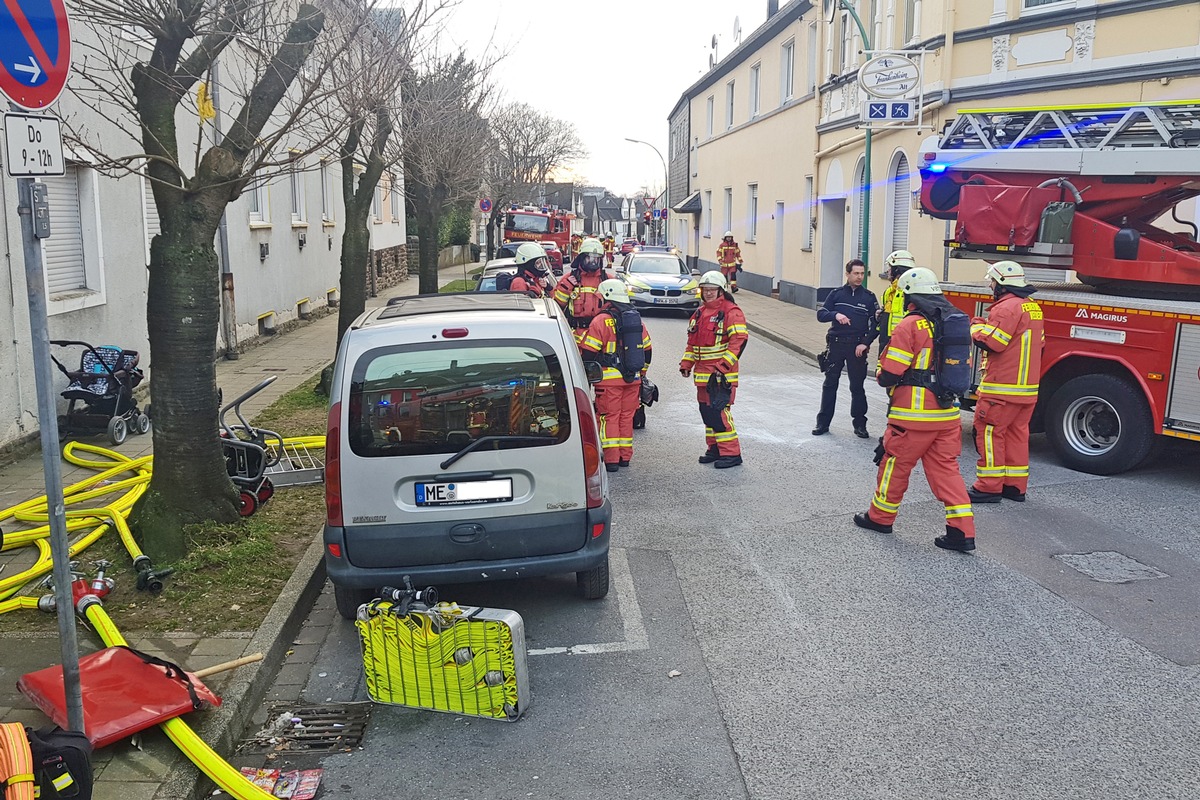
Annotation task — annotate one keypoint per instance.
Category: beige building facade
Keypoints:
(768, 143)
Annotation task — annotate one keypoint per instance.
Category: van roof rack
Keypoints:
(452, 302)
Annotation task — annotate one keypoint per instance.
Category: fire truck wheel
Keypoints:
(1100, 424)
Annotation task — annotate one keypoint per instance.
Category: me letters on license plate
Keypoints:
(464, 494)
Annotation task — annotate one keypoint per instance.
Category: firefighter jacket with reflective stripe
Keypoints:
(893, 312)
(716, 337)
(601, 337)
(530, 285)
(728, 254)
(1012, 337)
(577, 293)
(911, 347)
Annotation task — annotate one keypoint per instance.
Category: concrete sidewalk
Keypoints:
(156, 769)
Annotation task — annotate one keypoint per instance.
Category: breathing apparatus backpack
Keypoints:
(950, 374)
(504, 281)
(630, 358)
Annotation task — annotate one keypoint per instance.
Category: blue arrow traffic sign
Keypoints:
(35, 51)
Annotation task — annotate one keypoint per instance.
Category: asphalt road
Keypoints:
(816, 659)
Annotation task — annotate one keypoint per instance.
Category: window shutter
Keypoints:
(63, 251)
(150, 214)
(860, 185)
(901, 198)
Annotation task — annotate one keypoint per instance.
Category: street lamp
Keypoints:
(664, 163)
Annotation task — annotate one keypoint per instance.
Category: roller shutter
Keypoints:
(901, 199)
(63, 251)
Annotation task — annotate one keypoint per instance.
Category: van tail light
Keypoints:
(592, 456)
(333, 468)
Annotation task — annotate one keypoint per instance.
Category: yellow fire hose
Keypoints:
(204, 757)
(97, 520)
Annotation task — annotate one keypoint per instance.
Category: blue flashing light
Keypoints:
(937, 168)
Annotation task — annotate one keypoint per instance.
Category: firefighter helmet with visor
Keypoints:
(1007, 273)
(714, 278)
(614, 291)
(919, 280)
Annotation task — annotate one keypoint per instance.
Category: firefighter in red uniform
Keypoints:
(532, 270)
(578, 291)
(1012, 337)
(729, 259)
(608, 249)
(919, 428)
(618, 340)
(716, 337)
(576, 243)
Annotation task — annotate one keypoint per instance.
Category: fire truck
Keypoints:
(529, 223)
(1084, 198)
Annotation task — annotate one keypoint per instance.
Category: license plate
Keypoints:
(664, 300)
(467, 493)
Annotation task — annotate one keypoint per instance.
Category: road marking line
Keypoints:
(627, 607)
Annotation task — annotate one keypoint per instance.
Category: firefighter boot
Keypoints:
(725, 462)
(955, 540)
(710, 455)
(864, 520)
(984, 497)
(1013, 493)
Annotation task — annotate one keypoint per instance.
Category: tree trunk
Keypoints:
(356, 249)
(430, 219)
(189, 481)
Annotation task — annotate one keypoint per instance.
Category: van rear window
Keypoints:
(439, 397)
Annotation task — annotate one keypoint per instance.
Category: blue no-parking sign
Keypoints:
(35, 51)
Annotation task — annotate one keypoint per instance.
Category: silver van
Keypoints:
(462, 446)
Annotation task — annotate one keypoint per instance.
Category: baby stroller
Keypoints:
(249, 452)
(100, 393)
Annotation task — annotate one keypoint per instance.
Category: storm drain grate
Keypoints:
(315, 728)
(1107, 566)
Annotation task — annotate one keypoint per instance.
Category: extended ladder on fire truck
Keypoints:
(1076, 187)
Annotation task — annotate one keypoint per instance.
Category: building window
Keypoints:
(752, 212)
(810, 212)
(787, 77)
(858, 207)
(326, 192)
(755, 90)
(709, 127)
(296, 181)
(899, 204)
(394, 192)
(377, 204)
(707, 213)
(911, 21)
(728, 226)
(73, 258)
(846, 51)
(260, 201)
(729, 105)
(150, 220)
(1044, 6)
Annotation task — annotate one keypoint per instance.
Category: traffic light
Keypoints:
(646, 217)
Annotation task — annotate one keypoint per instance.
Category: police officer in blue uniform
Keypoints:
(851, 312)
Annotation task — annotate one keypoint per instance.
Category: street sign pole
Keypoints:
(35, 287)
(865, 244)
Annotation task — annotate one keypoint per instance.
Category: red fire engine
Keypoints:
(1079, 196)
(539, 224)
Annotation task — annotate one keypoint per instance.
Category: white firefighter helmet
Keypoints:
(728, 235)
(591, 246)
(900, 258)
(919, 280)
(614, 291)
(1007, 273)
(714, 278)
(529, 251)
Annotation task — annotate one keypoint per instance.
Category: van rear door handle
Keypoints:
(467, 533)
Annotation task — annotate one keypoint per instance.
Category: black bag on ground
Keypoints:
(649, 392)
(61, 763)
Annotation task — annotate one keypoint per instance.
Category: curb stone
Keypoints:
(224, 726)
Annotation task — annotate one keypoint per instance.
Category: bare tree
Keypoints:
(266, 95)
(444, 143)
(369, 75)
(526, 147)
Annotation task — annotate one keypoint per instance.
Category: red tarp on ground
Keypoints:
(122, 694)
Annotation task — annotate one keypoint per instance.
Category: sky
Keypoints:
(613, 68)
